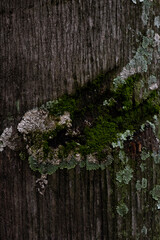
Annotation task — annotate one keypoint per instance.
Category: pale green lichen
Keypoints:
(144, 87)
(135, 1)
(92, 166)
(157, 21)
(122, 209)
(141, 185)
(109, 102)
(158, 205)
(144, 183)
(155, 118)
(123, 157)
(146, 11)
(144, 154)
(152, 125)
(143, 167)
(144, 230)
(121, 137)
(142, 128)
(156, 157)
(152, 82)
(139, 63)
(105, 163)
(138, 185)
(156, 193)
(144, 54)
(125, 175)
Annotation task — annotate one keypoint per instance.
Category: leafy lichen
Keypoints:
(141, 185)
(156, 193)
(144, 154)
(157, 21)
(122, 209)
(139, 63)
(146, 11)
(144, 230)
(125, 175)
(156, 156)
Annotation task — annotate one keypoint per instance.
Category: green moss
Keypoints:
(103, 133)
(23, 155)
(75, 103)
(104, 118)
(69, 146)
(58, 107)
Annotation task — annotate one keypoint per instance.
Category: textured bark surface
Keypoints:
(77, 204)
(48, 48)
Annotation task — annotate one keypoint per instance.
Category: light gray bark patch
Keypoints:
(8, 139)
(157, 21)
(34, 120)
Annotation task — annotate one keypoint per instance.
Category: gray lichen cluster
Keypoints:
(8, 139)
(141, 60)
(40, 120)
(148, 50)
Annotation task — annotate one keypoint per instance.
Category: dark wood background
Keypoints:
(48, 48)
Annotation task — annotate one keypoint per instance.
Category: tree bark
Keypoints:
(47, 49)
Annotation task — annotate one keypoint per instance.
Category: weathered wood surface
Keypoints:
(48, 48)
(77, 204)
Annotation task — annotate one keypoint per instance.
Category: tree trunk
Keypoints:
(48, 49)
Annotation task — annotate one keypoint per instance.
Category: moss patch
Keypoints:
(99, 119)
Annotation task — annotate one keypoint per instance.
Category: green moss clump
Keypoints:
(102, 117)
(58, 107)
(23, 155)
(103, 133)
